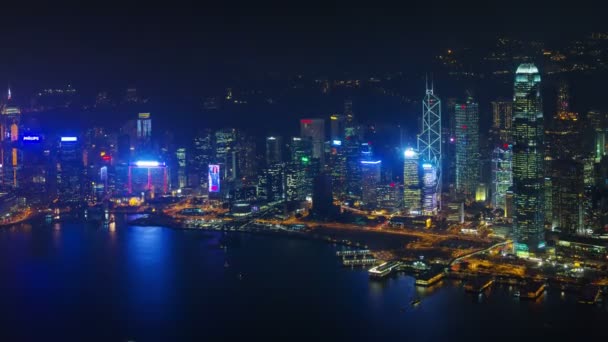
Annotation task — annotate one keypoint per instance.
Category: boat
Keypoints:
(415, 302)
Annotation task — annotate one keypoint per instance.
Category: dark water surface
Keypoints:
(82, 282)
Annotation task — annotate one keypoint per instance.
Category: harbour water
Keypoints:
(82, 281)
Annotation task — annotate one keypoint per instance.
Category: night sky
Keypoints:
(202, 45)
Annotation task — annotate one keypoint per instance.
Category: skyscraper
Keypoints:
(274, 150)
(502, 176)
(467, 147)
(502, 117)
(337, 126)
(315, 129)
(411, 181)
(144, 131)
(225, 152)
(370, 174)
(528, 178)
(429, 147)
(202, 155)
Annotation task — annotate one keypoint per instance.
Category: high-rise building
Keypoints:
(148, 177)
(271, 184)
(314, 129)
(429, 149)
(10, 154)
(528, 156)
(301, 154)
(225, 152)
(564, 164)
(338, 123)
(202, 155)
(274, 150)
(502, 119)
(69, 170)
(467, 147)
(337, 165)
(411, 181)
(144, 131)
(246, 154)
(502, 176)
(180, 155)
(371, 177)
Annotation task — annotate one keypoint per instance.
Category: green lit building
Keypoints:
(528, 155)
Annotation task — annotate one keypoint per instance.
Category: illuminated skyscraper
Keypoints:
(69, 169)
(528, 178)
(429, 147)
(502, 176)
(225, 152)
(502, 120)
(370, 174)
(202, 155)
(149, 177)
(180, 155)
(308, 168)
(467, 147)
(411, 181)
(144, 131)
(314, 129)
(337, 165)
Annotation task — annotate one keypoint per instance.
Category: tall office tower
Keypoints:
(338, 123)
(411, 181)
(69, 169)
(348, 111)
(467, 147)
(10, 153)
(144, 131)
(502, 119)
(352, 152)
(429, 149)
(202, 155)
(314, 129)
(371, 177)
(225, 152)
(149, 177)
(295, 182)
(180, 156)
(274, 150)
(337, 165)
(246, 154)
(567, 194)
(35, 169)
(528, 177)
(301, 155)
(272, 183)
(502, 176)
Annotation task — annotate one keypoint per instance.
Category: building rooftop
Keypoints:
(527, 68)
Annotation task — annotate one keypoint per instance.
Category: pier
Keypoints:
(384, 269)
(531, 290)
(353, 252)
(359, 262)
(591, 294)
(478, 285)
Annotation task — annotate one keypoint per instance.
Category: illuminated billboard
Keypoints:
(144, 115)
(214, 178)
(64, 139)
(31, 138)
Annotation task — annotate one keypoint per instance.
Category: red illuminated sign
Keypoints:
(306, 121)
